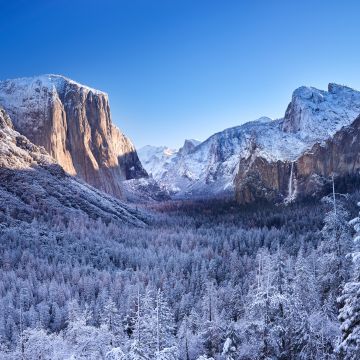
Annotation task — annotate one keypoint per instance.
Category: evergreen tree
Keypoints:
(189, 337)
(212, 328)
(137, 352)
(350, 301)
(170, 353)
(266, 314)
(336, 244)
(115, 354)
(110, 317)
(165, 327)
(145, 331)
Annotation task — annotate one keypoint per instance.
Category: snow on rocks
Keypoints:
(32, 184)
(210, 167)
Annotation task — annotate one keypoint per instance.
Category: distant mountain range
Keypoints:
(266, 159)
(277, 160)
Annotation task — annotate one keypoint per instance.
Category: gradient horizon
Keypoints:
(184, 69)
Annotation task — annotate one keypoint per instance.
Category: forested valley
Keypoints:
(203, 280)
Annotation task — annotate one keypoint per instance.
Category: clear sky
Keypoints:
(184, 69)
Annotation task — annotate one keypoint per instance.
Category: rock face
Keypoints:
(33, 185)
(260, 179)
(73, 123)
(189, 146)
(256, 160)
(317, 114)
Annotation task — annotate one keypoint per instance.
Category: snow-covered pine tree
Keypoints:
(168, 353)
(110, 317)
(350, 301)
(115, 354)
(38, 344)
(145, 334)
(137, 352)
(229, 349)
(336, 244)
(312, 332)
(265, 323)
(212, 328)
(189, 337)
(165, 327)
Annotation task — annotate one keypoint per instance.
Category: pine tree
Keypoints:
(189, 337)
(110, 317)
(38, 344)
(165, 327)
(115, 354)
(137, 352)
(266, 315)
(336, 244)
(312, 331)
(145, 331)
(212, 328)
(169, 353)
(350, 301)
(229, 349)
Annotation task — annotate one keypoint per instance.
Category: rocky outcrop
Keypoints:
(73, 123)
(188, 147)
(316, 114)
(34, 186)
(260, 179)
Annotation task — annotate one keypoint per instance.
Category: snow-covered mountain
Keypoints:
(154, 158)
(213, 167)
(33, 185)
(253, 160)
(73, 123)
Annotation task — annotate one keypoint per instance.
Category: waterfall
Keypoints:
(292, 185)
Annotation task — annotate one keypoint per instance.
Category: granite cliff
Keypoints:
(256, 160)
(33, 186)
(73, 123)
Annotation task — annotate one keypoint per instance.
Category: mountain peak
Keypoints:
(46, 81)
(335, 88)
(305, 93)
(73, 123)
(315, 113)
(189, 145)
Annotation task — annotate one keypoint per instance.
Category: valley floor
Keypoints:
(202, 280)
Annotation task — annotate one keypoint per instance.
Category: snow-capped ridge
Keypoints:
(316, 114)
(334, 88)
(50, 81)
(263, 119)
(210, 167)
(73, 122)
(189, 146)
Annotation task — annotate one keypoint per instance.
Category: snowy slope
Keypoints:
(33, 185)
(209, 168)
(153, 158)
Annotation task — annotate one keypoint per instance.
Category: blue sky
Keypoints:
(184, 69)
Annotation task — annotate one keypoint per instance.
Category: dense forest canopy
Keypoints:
(203, 280)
